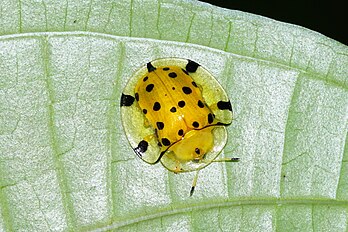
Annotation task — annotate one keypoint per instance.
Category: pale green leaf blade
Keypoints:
(65, 163)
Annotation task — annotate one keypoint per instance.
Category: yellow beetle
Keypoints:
(174, 111)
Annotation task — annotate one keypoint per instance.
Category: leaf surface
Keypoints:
(65, 163)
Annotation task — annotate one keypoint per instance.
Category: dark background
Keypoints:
(328, 17)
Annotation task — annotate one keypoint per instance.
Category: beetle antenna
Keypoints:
(233, 159)
(194, 184)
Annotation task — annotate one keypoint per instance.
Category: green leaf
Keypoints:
(65, 163)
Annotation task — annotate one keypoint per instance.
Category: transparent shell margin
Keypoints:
(133, 120)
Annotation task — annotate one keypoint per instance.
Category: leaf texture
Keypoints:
(65, 162)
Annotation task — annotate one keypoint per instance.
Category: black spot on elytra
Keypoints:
(141, 148)
(181, 132)
(181, 104)
(150, 67)
(149, 87)
(172, 75)
(173, 109)
(160, 125)
(165, 69)
(195, 124)
(197, 151)
(145, 111)
(186, 90)
(145, 78)
(137, 96)
(222, 105)
(156, 106)
(165, 142)
(200, 104)
(191, 66)
(173, 88)
(126, 100)
(210, 118)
